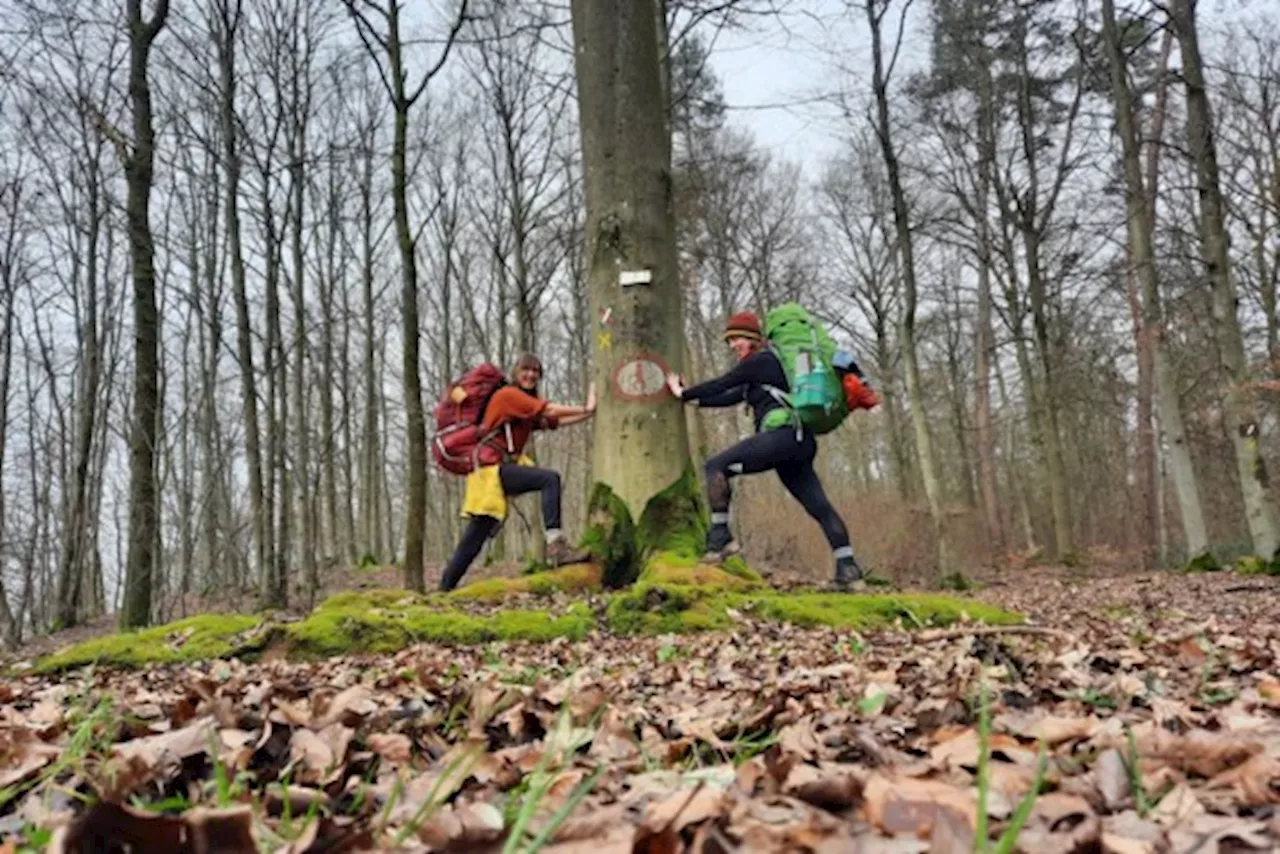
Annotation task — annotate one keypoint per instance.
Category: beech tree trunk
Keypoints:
(641, 444)
(1141, 226)
(1240, 409)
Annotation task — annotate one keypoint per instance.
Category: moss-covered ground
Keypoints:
(674, 594)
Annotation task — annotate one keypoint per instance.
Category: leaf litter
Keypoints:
(1158, 718)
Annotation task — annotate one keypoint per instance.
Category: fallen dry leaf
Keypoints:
(767, 737)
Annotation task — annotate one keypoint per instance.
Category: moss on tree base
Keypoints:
(1255, 565)
(574, 578)
(673, 523)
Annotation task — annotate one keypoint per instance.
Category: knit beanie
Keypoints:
(743, 324)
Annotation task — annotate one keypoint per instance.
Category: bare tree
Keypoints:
(11, 266)
(882, 71)
(226, 20)
(143, 522)
(383, 44)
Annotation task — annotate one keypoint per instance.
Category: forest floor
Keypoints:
(1143, 709)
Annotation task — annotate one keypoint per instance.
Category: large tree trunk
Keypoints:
(139, 564)
(1139, 204)
(876, 10)
(1239, 406)
(641, 445)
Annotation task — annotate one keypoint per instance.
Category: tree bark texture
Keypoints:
(641, 444)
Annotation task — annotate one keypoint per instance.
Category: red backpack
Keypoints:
(458, 445)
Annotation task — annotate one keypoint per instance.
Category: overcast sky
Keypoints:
(773, 72)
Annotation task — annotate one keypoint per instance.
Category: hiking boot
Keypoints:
(720, 545)
(560, 553)
(848, 575)
(718, 557)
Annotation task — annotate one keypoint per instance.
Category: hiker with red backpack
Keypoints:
(483, 422)
(797, 385)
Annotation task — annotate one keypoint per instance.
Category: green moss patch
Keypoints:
(674, 520)
(1255, 565)
(675, 597)
(863, 612)
(674, 568)
(567, 579)
(1204, 562)
(388, 621)
(195, 638)
(655, 608)
(673, 523)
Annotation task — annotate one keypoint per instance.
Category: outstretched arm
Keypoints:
(566, 415)
(726, 390)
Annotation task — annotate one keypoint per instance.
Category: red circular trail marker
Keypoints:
(640, 377)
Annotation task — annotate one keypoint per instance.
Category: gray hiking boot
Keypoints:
(560, 553)
(720, 545)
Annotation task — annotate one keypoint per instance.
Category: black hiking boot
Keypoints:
(848, 575)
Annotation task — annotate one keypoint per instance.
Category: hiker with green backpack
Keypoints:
(798, 385)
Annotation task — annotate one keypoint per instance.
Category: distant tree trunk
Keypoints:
(227, 27)
(876, 11)
(72, 565)
(272, 586)
(210, 338)
(8, 625)
(1139, 202)
(1239, 406)
(371, 485)
(1018, 485)
(402, 101)
(984, 333)
(300, 86)
(337, 547)
(953, 321)
(143, 522)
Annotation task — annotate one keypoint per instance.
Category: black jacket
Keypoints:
(746, 382)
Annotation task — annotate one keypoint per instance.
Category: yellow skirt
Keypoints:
(484, 495)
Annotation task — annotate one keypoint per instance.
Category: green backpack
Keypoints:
(804, 348)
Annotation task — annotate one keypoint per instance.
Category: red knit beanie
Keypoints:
(743, 324)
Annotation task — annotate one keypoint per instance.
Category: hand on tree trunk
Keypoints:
(676, 384)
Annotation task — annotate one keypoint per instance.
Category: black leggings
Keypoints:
(792, 459)
(516, 480)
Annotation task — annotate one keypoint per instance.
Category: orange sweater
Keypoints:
(523, 411)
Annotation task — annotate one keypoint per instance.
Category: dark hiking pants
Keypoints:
(780, 451)
(516, 480)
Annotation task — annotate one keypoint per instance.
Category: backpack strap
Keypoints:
(781, 396)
